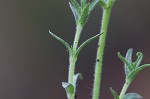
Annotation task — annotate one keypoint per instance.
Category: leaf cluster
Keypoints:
(81, 11)
(131, 70)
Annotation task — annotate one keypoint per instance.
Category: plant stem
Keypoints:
(124, 89)
(73, 57)
(100, 52)
(77, 36)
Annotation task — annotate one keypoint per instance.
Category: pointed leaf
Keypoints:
(128, 58)
(87, 42)
(132, 75)
(84, 15)
(125, 61)
(68, 87)
(76, 6)
(139, 59)
(74, 11)
(61, 40)
(114, 93)
(83, 3)
(129, 55)
(132, 96)
(93, 4)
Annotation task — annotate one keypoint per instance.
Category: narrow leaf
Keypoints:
(68, 87)
(132, 75)
(132, 96)
(139, 59)
(114, 93)
(86, 42)
(76, 6)
(84, 15)
(74, 11)
(83, 3)
(61, 40)
(93, 4)
(125, 61)
(128, 58)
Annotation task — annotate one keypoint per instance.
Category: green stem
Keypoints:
(77, 36)
(124, 89)
(100, 52)
(73, 58)
(72, 62)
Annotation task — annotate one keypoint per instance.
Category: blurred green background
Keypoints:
(33, 64)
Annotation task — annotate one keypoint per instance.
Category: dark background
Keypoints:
(33, 64)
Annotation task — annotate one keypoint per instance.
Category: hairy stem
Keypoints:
(124, 89)
(100, 52)
(77, 36)
(73, 58)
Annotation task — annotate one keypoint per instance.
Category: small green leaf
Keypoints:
(139, 59)
(132, 96)
(83, 3)
(61, 40)
(76, 6)
(74, 11)
(68, 87)
(87, 42)
(114, 93)
(93, 4)
(84, 15)
(125, 61)
(128, 58)
(132, 75)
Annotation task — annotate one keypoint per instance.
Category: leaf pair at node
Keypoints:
(69, 48)
(81, 12)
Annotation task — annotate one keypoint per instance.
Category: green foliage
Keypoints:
(61, 40)
(86, 42)
(70, 48)
(81, 12)
(132, 68)
(68, 87)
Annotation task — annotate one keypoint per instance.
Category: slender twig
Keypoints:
(100, 50)
(73, 57)
(124, 89)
